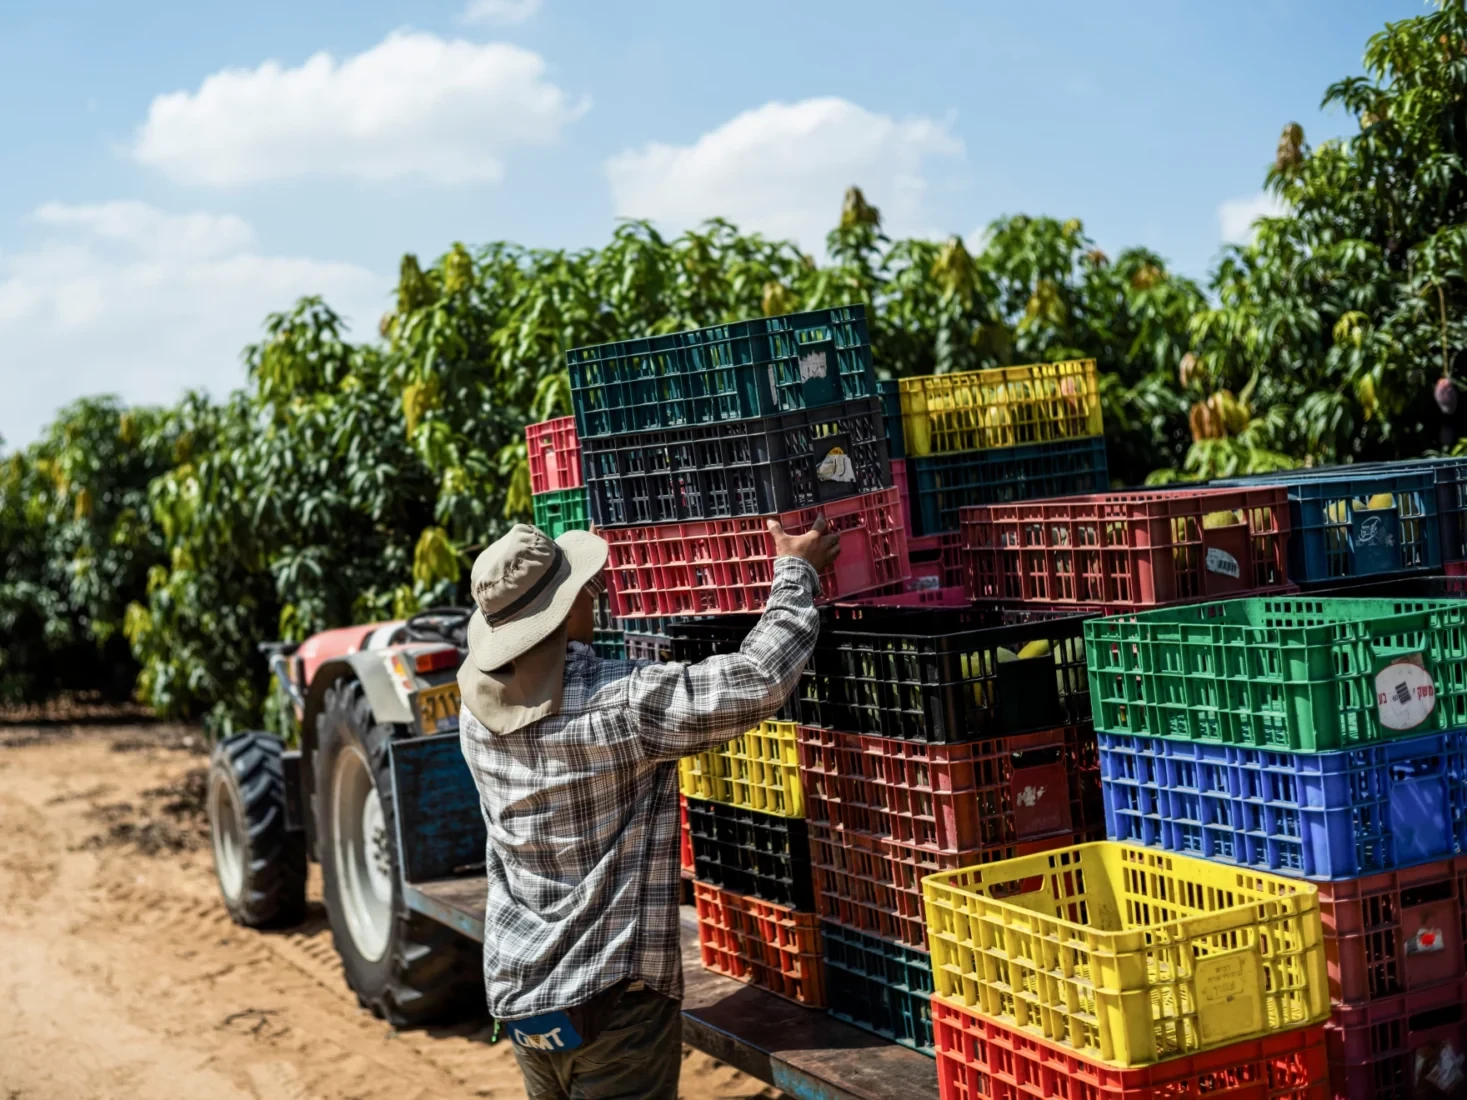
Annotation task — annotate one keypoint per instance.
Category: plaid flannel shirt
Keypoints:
(582, 807)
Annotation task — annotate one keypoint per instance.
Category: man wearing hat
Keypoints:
(575, 758)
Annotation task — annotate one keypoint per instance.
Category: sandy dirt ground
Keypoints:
(121, 978)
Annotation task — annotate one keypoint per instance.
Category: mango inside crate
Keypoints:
(1307, 674)
(1127, 954)
(759, 769)
(1002, 407)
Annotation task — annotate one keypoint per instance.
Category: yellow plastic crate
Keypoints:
(1004, 407)
(1127, 954)
(759, 770)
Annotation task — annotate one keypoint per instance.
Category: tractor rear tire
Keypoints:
(260, 865)
(406, 968)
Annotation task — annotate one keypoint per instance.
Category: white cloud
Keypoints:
(500, 11)
(1235, 217)
(413, 105)
(127, 299)
(782, 168)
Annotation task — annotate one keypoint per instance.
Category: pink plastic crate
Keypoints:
(899, 483)
(555, 455)
(721, 566)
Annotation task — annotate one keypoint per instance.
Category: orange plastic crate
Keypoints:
(770, 946)
(685, 840)
(979, 1058)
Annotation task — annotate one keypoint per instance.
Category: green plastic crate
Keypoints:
(1289, 672)
(562, 510)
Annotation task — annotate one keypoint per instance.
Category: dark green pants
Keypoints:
(637, 1056)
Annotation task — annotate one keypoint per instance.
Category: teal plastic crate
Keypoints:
(561, 511)
(1288, 672)
(610, 644)
(737, 371)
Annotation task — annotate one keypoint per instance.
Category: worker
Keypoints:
(575, 758)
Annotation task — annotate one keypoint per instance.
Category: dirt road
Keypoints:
(122, 979)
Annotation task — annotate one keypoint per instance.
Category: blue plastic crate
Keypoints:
(942, 484)
(727, 372)
(889, 390)
(879, 986)
(1334, 538)
(1328, 815)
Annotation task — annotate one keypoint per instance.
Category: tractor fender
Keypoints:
(372, 670)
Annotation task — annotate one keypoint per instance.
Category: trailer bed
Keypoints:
(803, 1052)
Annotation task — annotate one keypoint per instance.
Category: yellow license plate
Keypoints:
(437, 708)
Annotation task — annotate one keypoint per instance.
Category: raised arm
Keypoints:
(677, 709)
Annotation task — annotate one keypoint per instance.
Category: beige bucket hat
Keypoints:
(523, 587)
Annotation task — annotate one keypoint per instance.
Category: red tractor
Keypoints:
(357, 692)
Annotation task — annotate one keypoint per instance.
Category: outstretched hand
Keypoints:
(818, 546)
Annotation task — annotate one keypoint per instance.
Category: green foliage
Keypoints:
(354, 480)
(1349, 307)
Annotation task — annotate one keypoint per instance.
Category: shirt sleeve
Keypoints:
(676, 709)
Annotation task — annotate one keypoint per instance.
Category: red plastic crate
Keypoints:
(979, 1058)
(1395, 932)
(555, 455)
(1409, 1047)
(874, 884)
(953, 798)
(712, 567)
(899, 483)
(685, 839)
(766, 945)
(941, 556)
(1455, 569)
(1129, 550)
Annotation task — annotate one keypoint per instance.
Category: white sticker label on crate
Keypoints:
(1426, 941)
(1220, 561)
(1447, 1073)
(836, 466)
(1029, 796)
(1405, 694)
(812, 366)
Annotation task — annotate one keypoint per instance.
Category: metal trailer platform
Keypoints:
(803, 1052)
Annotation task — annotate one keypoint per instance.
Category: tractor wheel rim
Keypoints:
(363, 860)
(226, 833)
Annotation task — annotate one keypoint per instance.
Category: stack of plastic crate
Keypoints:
(1367, 521)
(557, 491)
(1110, 971)
(1320, 739)
(558, 500)
(990, 436)
(748, 844)
(929, 741)
(1119, 552)
(691, 442)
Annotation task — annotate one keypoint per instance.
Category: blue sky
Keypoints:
(175, 170)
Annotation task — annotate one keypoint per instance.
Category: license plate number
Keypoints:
(438, 708)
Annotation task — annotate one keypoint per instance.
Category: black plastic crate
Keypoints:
(889, 390)
(941, 676)
(647, 647)
(883, 987)
(691, 642)
(940, 485)
(753, 853)
(737, 467)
